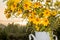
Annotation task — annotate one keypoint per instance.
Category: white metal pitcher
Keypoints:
(41, 36)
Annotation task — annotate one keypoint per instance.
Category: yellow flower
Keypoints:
(27, 5)
(37, 21)
(17, 1)
(46, 13)
(5, 11)
(54, 13)
(31, 18)
(45, 21)
(36, 5)
(13, 7)
(37, 28)
(8, 15)
(48, 0)
(33, 13)
(19, 12)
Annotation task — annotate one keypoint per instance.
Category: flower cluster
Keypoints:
(36, 12)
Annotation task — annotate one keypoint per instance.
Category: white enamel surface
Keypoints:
(42, 36)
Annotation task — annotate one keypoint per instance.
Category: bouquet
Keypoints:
(41, 14)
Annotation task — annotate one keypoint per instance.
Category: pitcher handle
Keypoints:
(55, 37)
(31, 35)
